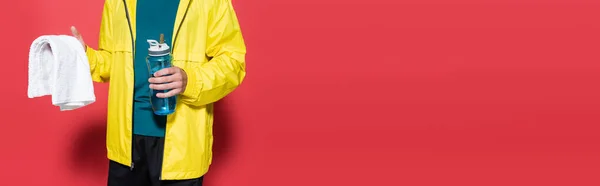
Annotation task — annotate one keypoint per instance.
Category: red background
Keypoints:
(346, 92)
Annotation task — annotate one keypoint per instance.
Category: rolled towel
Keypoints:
(58, 66)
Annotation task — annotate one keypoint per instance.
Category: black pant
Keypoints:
(147, 161)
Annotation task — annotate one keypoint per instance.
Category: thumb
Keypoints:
(77, 35)
(75, 32)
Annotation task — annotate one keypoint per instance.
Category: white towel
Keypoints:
(59, 67)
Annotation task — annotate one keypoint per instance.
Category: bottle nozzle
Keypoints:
(157, 49)
(153, 42)
(162, 38)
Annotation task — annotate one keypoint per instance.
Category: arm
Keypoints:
(226, 70)
(100, 60)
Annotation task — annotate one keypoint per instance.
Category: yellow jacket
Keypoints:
(208, 46)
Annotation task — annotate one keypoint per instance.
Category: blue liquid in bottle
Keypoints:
(159, 57)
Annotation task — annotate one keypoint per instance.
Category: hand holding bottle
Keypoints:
(173, 79)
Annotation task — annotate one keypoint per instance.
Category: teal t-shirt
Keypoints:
(153, 17)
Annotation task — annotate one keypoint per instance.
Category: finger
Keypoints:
(167, 86)
(165, 71)
(171, 93)
(164, 79)
(76, 33)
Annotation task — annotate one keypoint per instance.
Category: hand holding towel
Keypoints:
(58, 66)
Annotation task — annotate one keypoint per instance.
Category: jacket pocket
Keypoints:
(124, 47)
(190, 57)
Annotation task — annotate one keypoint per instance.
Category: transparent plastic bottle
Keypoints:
(159, 57)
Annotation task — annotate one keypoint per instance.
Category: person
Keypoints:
(208, 56)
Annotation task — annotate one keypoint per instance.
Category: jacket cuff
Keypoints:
(91, 55)
(194, 83)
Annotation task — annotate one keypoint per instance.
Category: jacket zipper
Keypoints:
(179, 27)
(133, 56)
(172, 51)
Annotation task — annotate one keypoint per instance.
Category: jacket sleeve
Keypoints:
(226, 69)
(100, 60)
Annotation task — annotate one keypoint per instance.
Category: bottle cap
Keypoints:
(158, 49)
